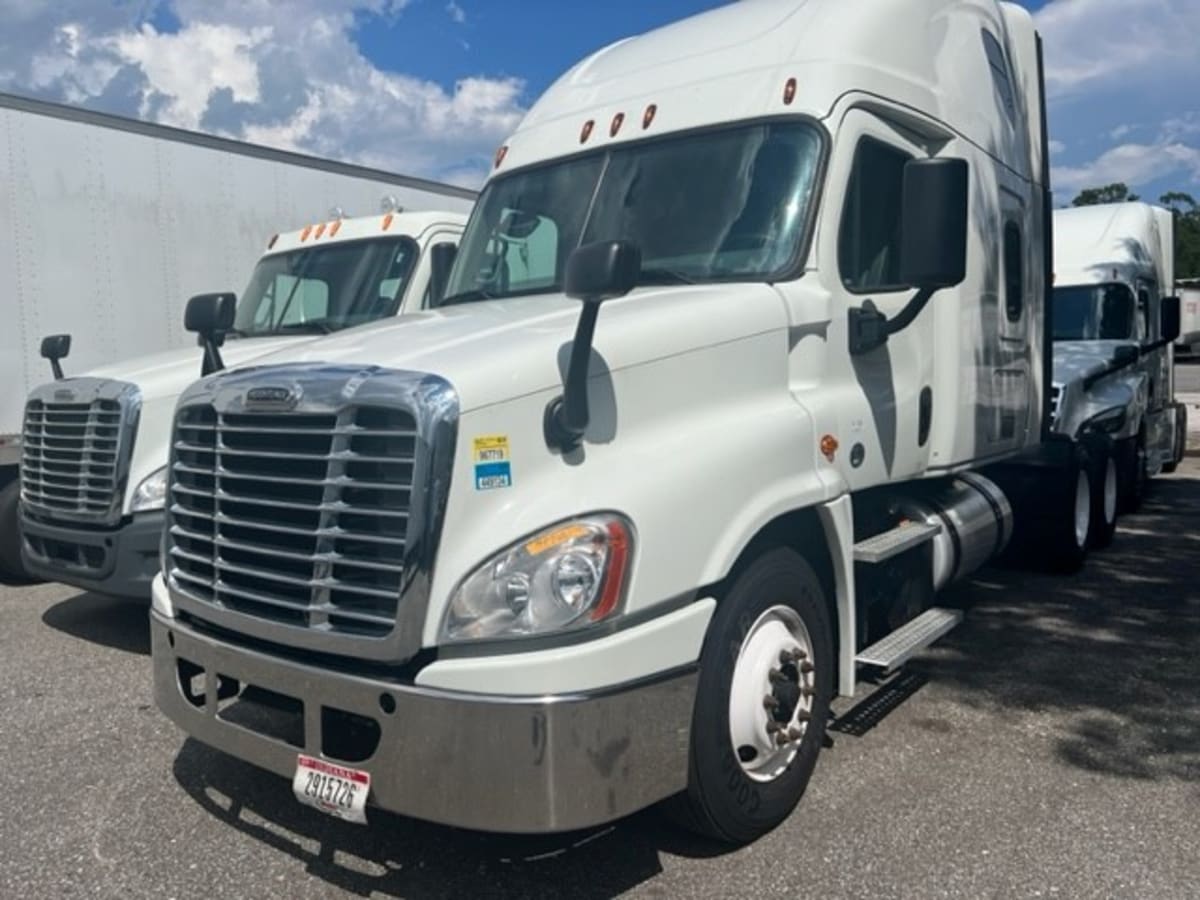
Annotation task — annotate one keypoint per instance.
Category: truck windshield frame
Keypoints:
(704, 206)
(1095, 312)
(328, 287)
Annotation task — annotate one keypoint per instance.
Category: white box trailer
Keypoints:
(108, 225)
(1188, 344)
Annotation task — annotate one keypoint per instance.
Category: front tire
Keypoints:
(1180, 449)
(1105, 490)
(12, 570)
(762, 702)
(1067, 523)
(1131, 470)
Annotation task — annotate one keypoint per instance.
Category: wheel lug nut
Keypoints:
(795, 733)
(781, 739)
(777, 677)
(803, 715)
(806, 667)
(808, 691)
(769, 702)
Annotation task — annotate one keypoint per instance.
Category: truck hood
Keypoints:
(1076, 360)
(498, 350)
(166, 374)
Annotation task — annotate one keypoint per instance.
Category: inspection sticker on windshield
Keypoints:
(335, 790)
(493, 465)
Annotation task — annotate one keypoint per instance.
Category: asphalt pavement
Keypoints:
(1049, 747)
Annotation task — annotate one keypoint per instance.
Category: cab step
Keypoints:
(900, 539)
(905, 642)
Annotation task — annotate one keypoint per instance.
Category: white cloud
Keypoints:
(457, 13)
(1092, 42)
(281, 72)
(1056, 147)
(1133, 164)
(1120, 131)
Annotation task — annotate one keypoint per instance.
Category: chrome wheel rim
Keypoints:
(771, 695)
(1110, 491)
(1083, 509)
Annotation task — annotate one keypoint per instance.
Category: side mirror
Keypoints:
(603, 271)
(441, 260)
(56, 347)
(595, 273)
(933, 235)
(210, 316)
(1125, 355)
(1169, 319)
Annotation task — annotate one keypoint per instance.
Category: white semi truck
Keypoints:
(95, 447)
(745, 337)
(1115, 319)
(109, 224)
(1188, 345)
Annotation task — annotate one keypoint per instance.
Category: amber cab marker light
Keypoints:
(387, 222)
(789, 92)
(335, 227)
(617, 122)
(320, 231)
(500, 154)
(648, 116)
(587, 131)
(305, 233)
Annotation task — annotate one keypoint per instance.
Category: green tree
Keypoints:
(1187, 232)
(1110, 193)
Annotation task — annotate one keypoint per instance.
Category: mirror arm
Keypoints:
(56, 368)
(567, 416)
(212, 354)
(870, 328)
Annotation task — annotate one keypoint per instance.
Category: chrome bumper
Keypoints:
(494, 763)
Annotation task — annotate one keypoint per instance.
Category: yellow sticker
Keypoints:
(491, 448)
(554, 538)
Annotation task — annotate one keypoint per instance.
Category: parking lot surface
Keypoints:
(1050, 747)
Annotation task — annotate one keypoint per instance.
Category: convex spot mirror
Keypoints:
(933, 228)
(1169, 318)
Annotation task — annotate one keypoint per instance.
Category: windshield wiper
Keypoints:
(315, 326)
(467, 297)
(664, 276)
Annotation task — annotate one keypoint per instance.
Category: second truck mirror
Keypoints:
(441, 260)
(210, 316)
(1169, 319)
(933, 229)
(55, 348)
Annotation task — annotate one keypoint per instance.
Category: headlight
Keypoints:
(151, 493)
(566, 577)
(1108, 422)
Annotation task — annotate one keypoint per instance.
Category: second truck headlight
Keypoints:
(566, 577)
(151, 494)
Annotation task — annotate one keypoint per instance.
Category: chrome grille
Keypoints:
(297, 518)
(75, 450)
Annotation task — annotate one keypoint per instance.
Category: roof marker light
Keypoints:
(648, 116)
(500, 154)
(320, 231)
(305, 233)
(617, 122)
(387, 222)
(271, 242)
(789, 92)
(335, 227)
(587, 131)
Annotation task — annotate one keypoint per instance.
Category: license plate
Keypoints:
(332, 789)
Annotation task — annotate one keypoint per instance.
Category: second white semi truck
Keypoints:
(95, 447)
(108, 225)
(745, 342)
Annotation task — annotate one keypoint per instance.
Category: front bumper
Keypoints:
(494, 763)
(121, 562)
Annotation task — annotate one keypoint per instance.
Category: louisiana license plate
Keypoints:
(332, 789)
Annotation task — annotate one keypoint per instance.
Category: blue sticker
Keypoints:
(490, 476)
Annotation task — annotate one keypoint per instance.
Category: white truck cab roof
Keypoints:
(1113, 242)
(414, 224)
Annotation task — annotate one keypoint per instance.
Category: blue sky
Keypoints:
(430, 87)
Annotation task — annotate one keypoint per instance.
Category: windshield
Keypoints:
(321, 289)
(1102, 312)
(724, 205)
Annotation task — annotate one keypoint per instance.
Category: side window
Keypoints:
(869, 237)
(1014, 272)
(1143, 302)
(1000, 77)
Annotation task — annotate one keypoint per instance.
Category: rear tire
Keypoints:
(1180, 449)
(1131, 469)
(775, 608)
(12, 570)
(1067, 522)
(1105, 490)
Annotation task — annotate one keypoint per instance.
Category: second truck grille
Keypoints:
(297, 518)
(70, 460)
